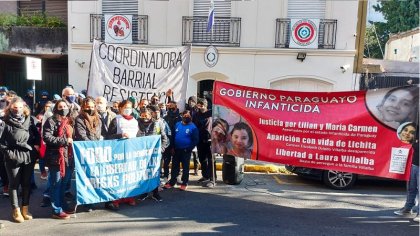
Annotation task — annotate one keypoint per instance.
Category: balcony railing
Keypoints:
(327, 33)
(226, 31)
(140, 28)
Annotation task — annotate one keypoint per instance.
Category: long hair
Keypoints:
(92, 122)
(244, 126)
(26, 111)
(414, 91)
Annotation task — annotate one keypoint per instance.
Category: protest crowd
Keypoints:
(43, 132)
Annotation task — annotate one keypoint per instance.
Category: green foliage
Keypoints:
(36, 20)
(400, 16)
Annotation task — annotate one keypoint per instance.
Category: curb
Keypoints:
(263, 168)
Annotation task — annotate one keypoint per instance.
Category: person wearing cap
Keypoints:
(136, 113)
(41, 103)
(29, 99)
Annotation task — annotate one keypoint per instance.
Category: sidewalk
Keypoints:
(253, 166)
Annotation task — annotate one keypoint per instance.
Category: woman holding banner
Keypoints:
(88, 126)
(58, 133)
(123, 125)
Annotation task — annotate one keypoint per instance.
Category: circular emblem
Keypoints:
(211, 56)
(118, 27)
(304, 32)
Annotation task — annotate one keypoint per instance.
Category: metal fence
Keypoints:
(226, 31)
(327, 33)
(140, 28)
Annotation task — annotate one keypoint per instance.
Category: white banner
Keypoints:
(304, 33)
(118, 72)
(118, 28)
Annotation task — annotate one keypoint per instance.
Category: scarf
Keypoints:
(129, 117)
(91, 122)
(66, 129)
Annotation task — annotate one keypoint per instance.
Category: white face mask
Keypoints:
(101, 107)
(127, 111)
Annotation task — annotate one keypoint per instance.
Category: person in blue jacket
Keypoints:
(186, 138)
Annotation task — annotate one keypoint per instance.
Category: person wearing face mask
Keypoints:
(154, 101)
(150, 126)
(124, 125)
(39, 106)
(88, 127)
(16, 150)
(29, 99)
(69, 95)
(105, 114)
(57, 133)
(172, 117)
(203, 121)
(186, 138)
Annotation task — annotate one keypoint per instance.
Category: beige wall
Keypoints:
(255, 63)
(403, 49)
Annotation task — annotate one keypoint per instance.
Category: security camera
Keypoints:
(344, 68)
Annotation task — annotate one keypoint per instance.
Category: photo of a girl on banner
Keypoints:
(393, 107)
(231, 134)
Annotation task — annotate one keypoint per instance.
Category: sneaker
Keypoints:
(70, 212)
(209, 184)
(168, 186)
(112, 206)
(61, 216)
(202, 180)
(403, 212)
(416, 219)
(44, 175)
(183, 187)
(46, 202)
(157, 198)
(143, 196)
(132, 202)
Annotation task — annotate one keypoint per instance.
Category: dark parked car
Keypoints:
(333, 179)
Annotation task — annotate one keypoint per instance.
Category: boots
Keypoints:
(17, 216)
(25, 213)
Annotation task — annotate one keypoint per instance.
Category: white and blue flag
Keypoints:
(210, 19)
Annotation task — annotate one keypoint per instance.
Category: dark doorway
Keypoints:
(205, 90)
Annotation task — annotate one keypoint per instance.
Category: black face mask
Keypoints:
(186, 120)
(89, 112)
(63, 112)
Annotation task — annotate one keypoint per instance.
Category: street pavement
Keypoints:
(263, 204)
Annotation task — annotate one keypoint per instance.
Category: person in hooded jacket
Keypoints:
(58, 138)
(149, 126)
(172, 117)
(16, 150)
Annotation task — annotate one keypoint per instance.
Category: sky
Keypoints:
(372, 14)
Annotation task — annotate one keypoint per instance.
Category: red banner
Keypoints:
(361, 132)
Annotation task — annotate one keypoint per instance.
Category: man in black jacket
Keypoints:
(172, 117)
(203, 120)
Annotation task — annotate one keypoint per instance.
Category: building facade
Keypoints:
(251, 37)
(403, 46)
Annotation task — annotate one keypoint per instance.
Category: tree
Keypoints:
(400, 16)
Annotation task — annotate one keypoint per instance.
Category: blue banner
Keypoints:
(113, 169)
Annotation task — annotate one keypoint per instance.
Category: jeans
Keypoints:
(167, 157)
(41, 163)
(412, 188)
(19, 175)
(208, 170)
(58, 187)
(181, 156)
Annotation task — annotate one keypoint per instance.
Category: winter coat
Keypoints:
(203, 121)
(106, 121)
(153, 128)
(14, 140)
(82, 132)
(53, 143)
(171, 119)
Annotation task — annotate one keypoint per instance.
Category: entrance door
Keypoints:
(205, 90)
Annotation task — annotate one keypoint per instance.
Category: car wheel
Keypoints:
(339, 180)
